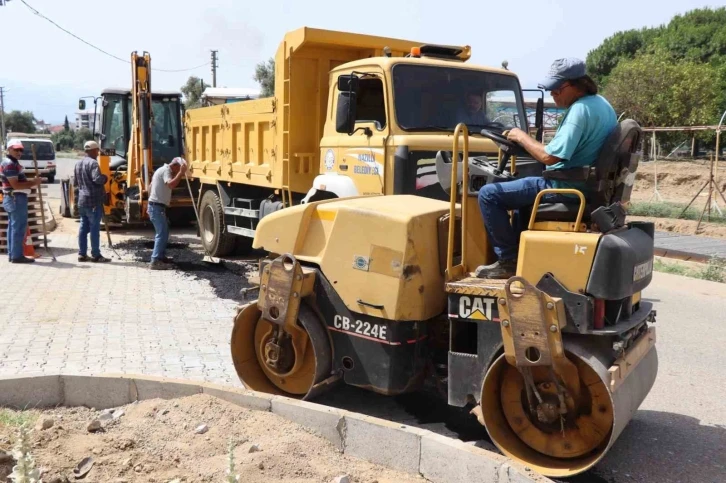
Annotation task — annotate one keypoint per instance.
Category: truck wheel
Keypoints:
(213, 231)
(243, 246)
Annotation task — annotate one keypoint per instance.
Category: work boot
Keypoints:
(84, 258)
(100, 259)
(501, 269)
(166, 259)
(23, 260)
(159, 265)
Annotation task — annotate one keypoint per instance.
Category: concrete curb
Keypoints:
(413, 450)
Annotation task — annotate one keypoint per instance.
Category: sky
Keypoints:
(45, 70)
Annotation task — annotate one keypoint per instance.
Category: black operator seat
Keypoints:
(609, 180)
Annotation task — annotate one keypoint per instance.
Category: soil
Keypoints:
(155, 441)
(685, 227)
(678, 181)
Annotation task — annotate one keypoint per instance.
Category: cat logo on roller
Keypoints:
(476, 308)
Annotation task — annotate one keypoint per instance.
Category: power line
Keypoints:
(36, 12)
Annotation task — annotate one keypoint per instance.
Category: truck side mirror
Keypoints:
(345, 114)
(348, 83)
(539, 119)
(82, 105)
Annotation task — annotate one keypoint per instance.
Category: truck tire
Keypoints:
(243, 246)
(213, 231)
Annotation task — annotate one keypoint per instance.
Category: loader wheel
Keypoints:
(215, 238)
(252, 337)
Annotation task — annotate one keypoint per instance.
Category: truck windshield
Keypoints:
(429, 98)
(43, 151)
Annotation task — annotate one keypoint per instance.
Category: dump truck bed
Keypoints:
(274, 142)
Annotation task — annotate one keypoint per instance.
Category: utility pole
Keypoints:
(214, 68)
(2, 116)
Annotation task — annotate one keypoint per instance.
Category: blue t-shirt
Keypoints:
(583, 131)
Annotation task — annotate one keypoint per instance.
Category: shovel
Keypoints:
(207, 257)
(42, 208)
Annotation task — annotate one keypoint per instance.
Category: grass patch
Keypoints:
(664, 209)
(714, 271)
(16, 419)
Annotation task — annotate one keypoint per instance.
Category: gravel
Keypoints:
(226, 278)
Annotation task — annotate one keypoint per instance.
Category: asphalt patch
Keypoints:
(227, 278)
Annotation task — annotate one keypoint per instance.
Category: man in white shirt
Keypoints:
(164, 180)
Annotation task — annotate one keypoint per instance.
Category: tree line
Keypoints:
(670, 75)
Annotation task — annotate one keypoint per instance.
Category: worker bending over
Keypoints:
(164, 180)
(586, 125)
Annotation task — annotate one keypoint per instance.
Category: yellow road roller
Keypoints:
(378, 292)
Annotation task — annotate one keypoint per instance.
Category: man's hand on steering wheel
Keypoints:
(516, 135)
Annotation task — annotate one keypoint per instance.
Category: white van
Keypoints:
(44, 153)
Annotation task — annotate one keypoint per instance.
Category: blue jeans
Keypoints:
(498, 198)
(16, 207)
(90, 223)
(157, 215)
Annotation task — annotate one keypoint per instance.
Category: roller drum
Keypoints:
(593, 356)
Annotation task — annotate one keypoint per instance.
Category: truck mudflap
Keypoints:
(385, 356)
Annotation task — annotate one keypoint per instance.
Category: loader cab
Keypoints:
(116, 126)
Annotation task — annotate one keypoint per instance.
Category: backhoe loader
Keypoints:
(140, 131)
(378, 293)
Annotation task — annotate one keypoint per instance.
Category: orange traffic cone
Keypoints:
(28, 248)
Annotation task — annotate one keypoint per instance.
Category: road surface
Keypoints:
(679, 433)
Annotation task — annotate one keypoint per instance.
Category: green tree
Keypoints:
(81, 136)
(265, 76)
(697, 36)
(20, 122)
(623, 45)
(656, 91)
(66, 139)
(66, 125)
(192, 91)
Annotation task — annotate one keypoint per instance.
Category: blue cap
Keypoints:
(561, 71)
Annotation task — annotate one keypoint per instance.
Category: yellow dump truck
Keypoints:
(352, 115)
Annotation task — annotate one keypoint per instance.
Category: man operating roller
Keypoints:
(586, 125)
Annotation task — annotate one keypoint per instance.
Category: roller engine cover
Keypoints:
(623, 263)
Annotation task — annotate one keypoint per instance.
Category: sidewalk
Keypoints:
(688, 247)
(82, 318)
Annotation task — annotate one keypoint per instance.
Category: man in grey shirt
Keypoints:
(164, 180)
(91, 193)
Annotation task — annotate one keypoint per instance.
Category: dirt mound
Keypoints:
(686, 227)
(159, 441)
(678, 181)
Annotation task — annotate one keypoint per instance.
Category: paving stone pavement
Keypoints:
(67, 317)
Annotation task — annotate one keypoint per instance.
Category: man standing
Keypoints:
(164, 180)
(586, 125)
(16, 189)
(91, 192)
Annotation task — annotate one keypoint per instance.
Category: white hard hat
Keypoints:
(90, 145)
(179, 161)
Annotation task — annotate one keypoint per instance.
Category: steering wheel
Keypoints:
(509, 148)
(500, 140)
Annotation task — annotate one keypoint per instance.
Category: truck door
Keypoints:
(360, 155)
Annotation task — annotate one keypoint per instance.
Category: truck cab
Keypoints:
(389, 116)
